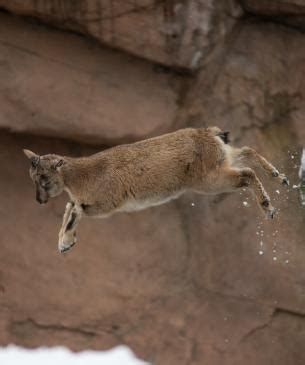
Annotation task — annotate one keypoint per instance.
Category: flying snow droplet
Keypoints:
(277, 191)
(274, 258)
(245, 204)
(261, 252)
(192, 204)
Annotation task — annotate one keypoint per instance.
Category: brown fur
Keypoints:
(147, 173)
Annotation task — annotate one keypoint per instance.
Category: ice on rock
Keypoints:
(302, 178)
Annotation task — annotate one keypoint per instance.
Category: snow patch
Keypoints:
(13, 355)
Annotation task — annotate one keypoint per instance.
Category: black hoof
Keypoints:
(265, 203)
(65, 249)
(285, 181)
(275, 173)
(271, 213)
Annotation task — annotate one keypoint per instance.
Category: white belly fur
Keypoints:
(134, 205)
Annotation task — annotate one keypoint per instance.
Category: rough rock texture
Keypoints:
(183, 283)
(172, 32)
(257, 81)
(275, 7)
(61, 84)
(290, 12)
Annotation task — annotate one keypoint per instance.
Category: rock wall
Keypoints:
(198, 280)
(172, 32)
(290, 12)
(59, 84)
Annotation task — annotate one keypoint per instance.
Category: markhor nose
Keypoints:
(40, 200)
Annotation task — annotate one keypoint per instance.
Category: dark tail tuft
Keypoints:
(224, 136)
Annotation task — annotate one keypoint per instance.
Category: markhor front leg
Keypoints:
(67, 234)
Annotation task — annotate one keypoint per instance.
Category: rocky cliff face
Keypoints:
(201, 279)
(175, 33)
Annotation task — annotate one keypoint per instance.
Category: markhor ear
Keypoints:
(33, 157)
(30, 154)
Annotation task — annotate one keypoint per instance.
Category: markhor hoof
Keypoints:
(285, 181)
(65, 247)
(270, 214)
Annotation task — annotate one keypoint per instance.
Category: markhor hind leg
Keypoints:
(251, 157)
(67, 234)
(246, 177)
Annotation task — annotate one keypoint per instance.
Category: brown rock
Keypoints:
(64, 85)
(275, 7)
(175, 33)
(290, 12)
(255, 83)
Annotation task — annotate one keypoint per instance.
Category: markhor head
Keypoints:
(45, 171)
